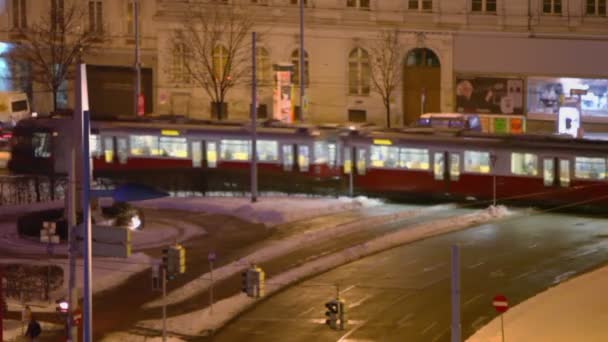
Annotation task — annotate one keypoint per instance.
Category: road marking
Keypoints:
(430, 268)
(437, 337)
(476, 265)
(403, 322)
(563, 276)
(347, 289)
(427, 329)
(524, 274)
(306, 312)
(476, 324)
(357, 303)
(497, 274)
(533, 245)
(351, 331)
(471, 300)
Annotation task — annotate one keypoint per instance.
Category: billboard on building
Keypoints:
(283, 93)
(489, 95)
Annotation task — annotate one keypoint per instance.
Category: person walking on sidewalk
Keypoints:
(33, 330)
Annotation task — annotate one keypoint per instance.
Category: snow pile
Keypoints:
(573, 311)
(270, 211)
(224, 310)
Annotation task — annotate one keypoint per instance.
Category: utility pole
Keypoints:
(302, 63)
(254, 119)
(137, 57)
(456, 335)
(163, 276)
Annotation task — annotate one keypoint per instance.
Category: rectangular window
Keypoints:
(234, 150)
(356, 115)
(303, 158)
(361, 161)
(476, 161)
(348, 161)
(596, 7)
(358, 4)
(144, 145)
(41, 143)
(197, 153)
(180, 73)
(414, 158)
(439, 167)
(332, 155)
(320, 152)
(590, 168)
(525, 164)
(420, 5)
(296, 2)
(267, 150)
(564, 173)
(548, 172)
(552, 6)
(173, 147)
(384, 156)
(487, 6)
(211, 154)
(287, 157)
(19, 106)
(108, 149)
(95, 16)
(122, 150)
(454, 166)
(19, 13)
(94, 146)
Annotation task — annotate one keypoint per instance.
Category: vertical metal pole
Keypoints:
(163, 274)
(302, 62)
(2, 302)
(137, 55)
(254, 119)
(71, 218)
(455, 294)
(502, 327)
(211, 288)
(86, 209)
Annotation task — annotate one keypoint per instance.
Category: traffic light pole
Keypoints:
(211, 288)
(163, 275)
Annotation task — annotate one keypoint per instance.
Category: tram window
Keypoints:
(564, 173)
(525, 164)
(287, 157)
(95, 146)
(303, 158)
(475, 161)
(384, 156)
(414, 158)
(173, 147)
(144, 145)
(548, 172)
(41, 143)
(211, 154)
(108, 151)
(267, 150)
(320, 152)
(234, 150)
(122, 150)
(590, 168)
(348, 161)
(439, 165)
(361, 161)
(454, 166)
(332, 156)
(197, 154)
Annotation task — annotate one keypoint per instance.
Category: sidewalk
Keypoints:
(576, 310)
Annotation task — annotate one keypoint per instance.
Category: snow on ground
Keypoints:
(270, 211)
(572, 311)
(198, 321)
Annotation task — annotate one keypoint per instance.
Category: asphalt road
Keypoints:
(404, 294)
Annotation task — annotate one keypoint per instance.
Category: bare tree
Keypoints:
(54, 44)
(385, 61)
(218, 54)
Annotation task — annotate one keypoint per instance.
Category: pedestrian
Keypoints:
(33, 330)
(26, 316)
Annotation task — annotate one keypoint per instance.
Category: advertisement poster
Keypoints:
(283, 94)
(489, 95)
(545, 94)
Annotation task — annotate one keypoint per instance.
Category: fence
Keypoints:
(26, 189)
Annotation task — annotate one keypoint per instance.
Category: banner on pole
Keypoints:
(283, 93)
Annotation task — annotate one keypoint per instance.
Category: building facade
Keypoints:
(512, 60)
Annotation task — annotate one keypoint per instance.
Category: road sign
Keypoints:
(500, 303)
(211, 256)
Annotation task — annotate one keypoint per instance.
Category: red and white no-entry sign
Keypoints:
(500, 303)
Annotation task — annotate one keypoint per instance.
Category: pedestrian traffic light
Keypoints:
(332, 312)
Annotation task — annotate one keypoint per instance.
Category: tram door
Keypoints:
(556, 172)
(204, 154)
(446, 168)
(296, 157)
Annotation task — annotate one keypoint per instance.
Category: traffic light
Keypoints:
(333, 309)
(253, 282)
(174, 260)
(342, 313)
(246, 278)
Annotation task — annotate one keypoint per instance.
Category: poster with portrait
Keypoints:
(489, 95)
(283, 97)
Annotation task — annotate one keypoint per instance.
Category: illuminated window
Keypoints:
(357, 4)
(454, 166)
(220, 61)
(348, 161)
(384, 156)
(173, 147)
(552, 6)
(211, 154)
(483, 6)
(475, 161)
(564, 173)
(420, 5)
(332, 154)
(548, 172)
(95, 16)
(358, 72)
(525, 164)
(303, 158)
(321, 152)
(19, 14)
(439, 167)
(596, 7)
(295, 59)
(361, 161)
(234, 150)
(590, 168)
(414, 158)
(144, 145)
(287, 157)
(267, 150)
(263, 66)
(95, 146)
(108, 151)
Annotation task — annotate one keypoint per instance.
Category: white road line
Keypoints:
(351, 331)
(477, 322)
(427, 329)
(533, 245)
(434, 267)
(402, 322)
(471, 300)
(357, 303)
(303, 313)
(524, 274)
(347, 289)
(476, 265)
(438, 336)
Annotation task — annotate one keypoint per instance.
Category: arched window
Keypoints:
(358, 72)
(262, 65)
(421, 57)
(220, 59)
(295, 59)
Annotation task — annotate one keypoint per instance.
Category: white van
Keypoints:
(14, 106)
